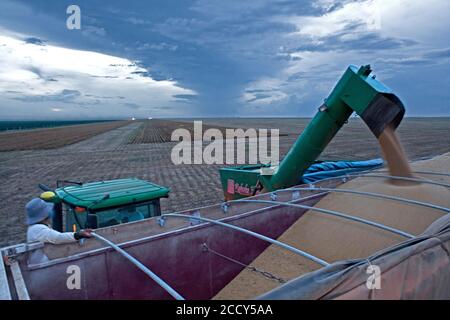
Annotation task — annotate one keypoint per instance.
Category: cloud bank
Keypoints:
(217, 58)
(48, 79)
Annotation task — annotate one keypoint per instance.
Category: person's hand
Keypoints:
(86, 233)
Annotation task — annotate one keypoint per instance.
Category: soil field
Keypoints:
(54, 137)
(109, 155)
(421, 137)
(160, 131)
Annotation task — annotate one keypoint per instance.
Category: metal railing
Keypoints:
(330, 212)
(423, 172)
(370, 175)
(251, 233)
(138, 264)
(371, 194)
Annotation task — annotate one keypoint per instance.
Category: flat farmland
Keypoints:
(421, 137)
(160, 131)
(54, 137)
(119, 152)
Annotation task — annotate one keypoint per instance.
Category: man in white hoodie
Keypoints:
(39, 214)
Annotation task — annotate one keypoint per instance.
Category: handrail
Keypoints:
(349, 175)
(138, 264)
(372, 194)
(422, 172)
(5, 293)
(251, 233)
(403, 178)
(19, 283)
(330, 212)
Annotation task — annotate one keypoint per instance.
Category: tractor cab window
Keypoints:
(80, 219)
(126, 214)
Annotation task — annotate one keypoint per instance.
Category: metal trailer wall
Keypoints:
(176, 256)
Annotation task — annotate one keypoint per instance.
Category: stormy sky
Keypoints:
(209, 58)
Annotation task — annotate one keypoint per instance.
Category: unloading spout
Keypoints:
(357, 91)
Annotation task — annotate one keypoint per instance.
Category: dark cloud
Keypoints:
(405, 61)
(35, 41)
(258, 90)
(354, 37)
(39, 73)
(426, 58)
(105, 77)
(370, 41)
(103, 97)
(186, 96)
(217, 47)
(132, 106)
(65, 95)
(259, 96)
(438, 54)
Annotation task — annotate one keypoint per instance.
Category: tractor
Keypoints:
(102, 204)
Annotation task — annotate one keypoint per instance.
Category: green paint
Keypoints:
(354, 92)
(121, 192)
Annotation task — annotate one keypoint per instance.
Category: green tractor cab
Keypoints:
(105, 203)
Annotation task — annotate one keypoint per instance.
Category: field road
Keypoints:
(109, 155)
(110, 140)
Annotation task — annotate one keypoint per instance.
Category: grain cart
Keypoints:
(102, 204)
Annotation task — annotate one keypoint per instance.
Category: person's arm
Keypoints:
(46, 234)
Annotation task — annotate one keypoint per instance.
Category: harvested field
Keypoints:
(421, 137)
(54, 137)
(160, 131)
(110, 156)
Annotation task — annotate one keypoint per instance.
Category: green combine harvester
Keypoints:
(357, 91)
(102, 204)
